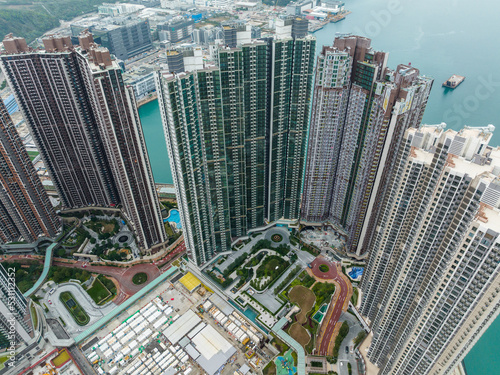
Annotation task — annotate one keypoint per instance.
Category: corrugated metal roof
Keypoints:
(181, 326)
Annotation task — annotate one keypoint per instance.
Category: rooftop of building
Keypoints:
(107, 23)
(469, 147)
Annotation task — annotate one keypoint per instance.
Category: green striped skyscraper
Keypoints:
(236, 137)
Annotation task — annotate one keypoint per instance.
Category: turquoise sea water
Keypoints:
(155, 142)
(440, 38)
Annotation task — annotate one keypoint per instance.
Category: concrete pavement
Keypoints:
(354, 328)
(57, 308)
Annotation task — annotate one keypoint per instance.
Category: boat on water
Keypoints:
(454, 81)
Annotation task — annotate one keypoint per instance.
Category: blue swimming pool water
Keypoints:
(250, 314)
(356, 272)
(174, 217)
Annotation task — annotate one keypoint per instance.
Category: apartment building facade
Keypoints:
(361, 109)
(236, 140)
(431, 286)
(25, 209)
(85, 124)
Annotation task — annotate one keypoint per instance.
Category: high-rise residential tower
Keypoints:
(15, 318)
(25, 208)
(360, 111)
(236, 137)
(85, 124)
(432, 285)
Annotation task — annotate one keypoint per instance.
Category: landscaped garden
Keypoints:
(100, 292)
(270, 270)
(309, 295)
(305, 299)
(77, 312)
(139, 278)
(324, 268)
(277, 237)
(26, 274)
(104, 228)
(76, 238)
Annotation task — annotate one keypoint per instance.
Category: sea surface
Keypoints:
(155, 142)
(440, 38)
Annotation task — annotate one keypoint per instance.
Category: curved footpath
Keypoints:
(46, 268)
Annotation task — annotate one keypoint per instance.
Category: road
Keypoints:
(123, 276)
(354, 329)
(339, 302)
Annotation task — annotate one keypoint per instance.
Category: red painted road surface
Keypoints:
(328, 327)
(122, 275)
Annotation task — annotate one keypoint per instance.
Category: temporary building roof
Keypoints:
(190, 281)
(181, 326)
(214, 349)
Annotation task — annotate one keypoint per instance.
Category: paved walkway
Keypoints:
(46, 268)
(268, 235)
(235, 254)
(57, 308)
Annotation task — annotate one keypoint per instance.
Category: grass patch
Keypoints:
(303, 297)
(77, 312)
(98, 292)
(139, 278)
(33, 154)
(295, 358)
(359, 338)
(299, 334)
(270, 369)
(324, 268)
(169, 229)
(355, 294)
(323, 292)
(34, 316)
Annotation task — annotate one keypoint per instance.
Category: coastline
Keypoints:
(148, 99)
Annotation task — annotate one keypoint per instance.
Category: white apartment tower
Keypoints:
(432, 284)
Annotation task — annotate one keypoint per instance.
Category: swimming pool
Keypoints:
(174, 217)
(356, 272)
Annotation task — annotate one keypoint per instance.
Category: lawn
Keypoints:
(103, 226)
(168, 229)
(303, 297)
(77, 312)
(98, 292)
(354, 298)
(33, 154)
(139, 278)
(300, 334)
(34, 315)
(270, 369)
